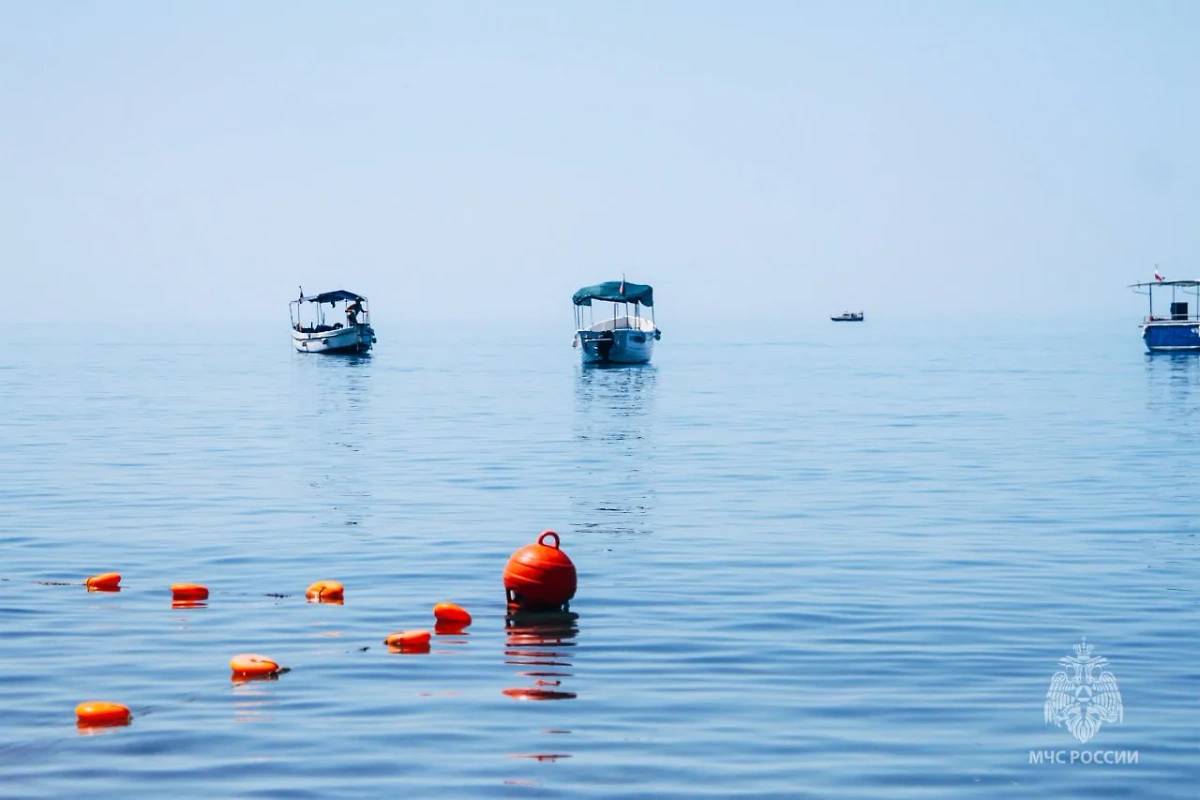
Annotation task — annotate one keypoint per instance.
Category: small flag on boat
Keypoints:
(622, 289)
(1157, 276)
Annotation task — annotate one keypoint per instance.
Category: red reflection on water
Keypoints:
(188, 604)
(409, 651)
(539, 694)
(542, 642)
(240, 678)
(540, 756)
(450, 629)
(545, 674)
(90, 728)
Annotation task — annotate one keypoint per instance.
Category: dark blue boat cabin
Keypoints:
(1179, 330)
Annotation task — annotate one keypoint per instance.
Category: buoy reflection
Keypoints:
(541, 640)
(541, 756)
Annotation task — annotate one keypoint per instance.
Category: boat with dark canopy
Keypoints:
(1180, 330)
(625, 337)
(312, 334)
(849, 316)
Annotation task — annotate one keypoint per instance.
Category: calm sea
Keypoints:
(820, 561)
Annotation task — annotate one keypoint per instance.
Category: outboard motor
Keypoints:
(604, 344)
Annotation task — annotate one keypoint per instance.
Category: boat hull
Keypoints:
(357, 339)
(1172, 336)
(622, 346)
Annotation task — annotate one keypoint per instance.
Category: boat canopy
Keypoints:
(332, 297)
(615, 292)
(1190, 283)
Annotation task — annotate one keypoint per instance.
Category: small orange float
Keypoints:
(188, 591)
(249, 665)
(95, 714)
(325, 592)
(409, 640)
(451, 614)
(108, 582)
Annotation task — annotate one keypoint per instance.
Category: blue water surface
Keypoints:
(815, 561)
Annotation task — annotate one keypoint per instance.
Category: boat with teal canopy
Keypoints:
(618, 333)
(313, 333)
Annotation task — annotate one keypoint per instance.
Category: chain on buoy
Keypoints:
(539, 577)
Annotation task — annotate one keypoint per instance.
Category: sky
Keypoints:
(197, 162)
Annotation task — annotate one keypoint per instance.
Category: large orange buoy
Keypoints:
(188, 591)
(325, 592)
(96, 713)
(250, 665)
(409, 640)
(108, 582)
(540, 577)
(451, 615)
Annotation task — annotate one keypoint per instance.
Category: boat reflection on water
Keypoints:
(1174, 380)
(541, 644)
(334, 403)
(614, 440)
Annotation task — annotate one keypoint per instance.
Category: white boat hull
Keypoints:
(621, 346)
(357, 339)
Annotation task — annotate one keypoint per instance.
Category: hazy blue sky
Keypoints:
(198, 160)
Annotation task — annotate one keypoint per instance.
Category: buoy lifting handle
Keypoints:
(542, 539)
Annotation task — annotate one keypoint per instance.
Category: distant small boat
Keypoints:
(315, 336)
(849, 316)
(624, 338)
(1180, 331)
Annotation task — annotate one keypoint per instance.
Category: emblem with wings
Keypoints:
(1079, 698)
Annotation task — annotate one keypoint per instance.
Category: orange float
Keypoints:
(540, 577)
(250, 665)
(325, 592)
(96, 713)
(108, 582)
(451, 615)
(409, 640)
(188, 591)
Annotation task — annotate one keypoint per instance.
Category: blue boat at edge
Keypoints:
(1180, 330)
